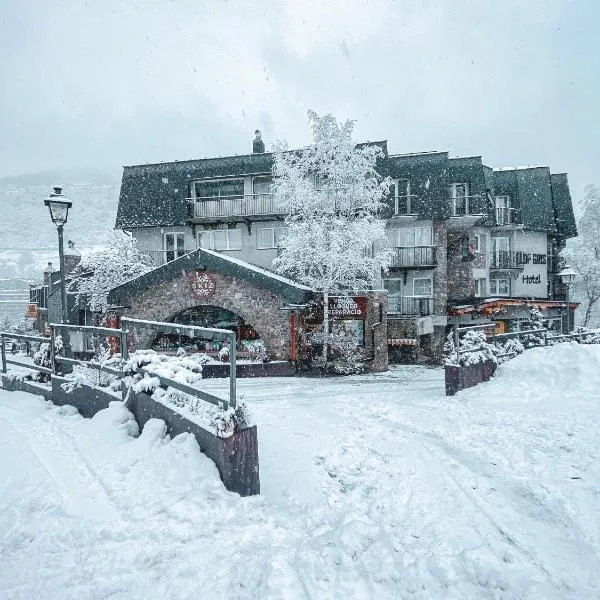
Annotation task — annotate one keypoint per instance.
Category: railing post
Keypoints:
(123, 344)
(3, 351)
(545, 337)
(456, 343)
(52, 361)
(232, 370)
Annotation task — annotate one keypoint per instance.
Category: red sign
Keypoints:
(344, 307)
(202, 285)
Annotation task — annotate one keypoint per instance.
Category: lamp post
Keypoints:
(58, 205)
(567, 276)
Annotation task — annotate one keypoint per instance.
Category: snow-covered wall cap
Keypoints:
(519, 168)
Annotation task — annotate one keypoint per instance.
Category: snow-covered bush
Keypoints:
(535, 321)
(256, 350)
(83, 375)
(43, 357)
(588, 336)
(346, 357)
(473, 349)
(97, 274)
(509, 349)
(224, 354)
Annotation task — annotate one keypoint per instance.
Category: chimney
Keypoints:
(258, 146)
(48, 273)
(72, 257)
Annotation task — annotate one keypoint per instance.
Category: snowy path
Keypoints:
(373, 487)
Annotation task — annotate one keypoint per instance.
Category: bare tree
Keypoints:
(583, 253)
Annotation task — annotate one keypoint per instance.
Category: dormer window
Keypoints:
(402, 198)
(216, 189)
(459, 193)
(504, 210)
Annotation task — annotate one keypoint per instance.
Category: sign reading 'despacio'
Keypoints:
(202, 285)
(342, 307)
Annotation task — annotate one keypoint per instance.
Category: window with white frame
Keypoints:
(477, 246)
(402, 197)
(503, 210)
(480, 287)
(174, 245)
(422, 287)
(500, 287)
(460, 199)
(267, 237)
(221, 239)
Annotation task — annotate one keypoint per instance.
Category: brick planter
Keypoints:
(460, 378)
(236, 457)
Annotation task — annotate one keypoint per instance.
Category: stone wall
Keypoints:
(258, 307)
(376, 332)
(460, 272)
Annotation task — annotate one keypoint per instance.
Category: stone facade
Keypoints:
(255, 305)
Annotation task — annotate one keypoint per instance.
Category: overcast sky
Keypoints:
(107, 83)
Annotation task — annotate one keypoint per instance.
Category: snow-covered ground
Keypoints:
(373, 487)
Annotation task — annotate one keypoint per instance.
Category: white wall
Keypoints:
(533, 280)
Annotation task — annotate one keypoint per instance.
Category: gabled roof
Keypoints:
(289, 290)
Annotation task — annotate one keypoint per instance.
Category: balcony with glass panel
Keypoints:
(414, 257)
(227, 199)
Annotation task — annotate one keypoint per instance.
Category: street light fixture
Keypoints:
(58, 205)
(568, 276)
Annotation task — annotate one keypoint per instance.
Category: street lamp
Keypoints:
(58, 205)
(567, 276)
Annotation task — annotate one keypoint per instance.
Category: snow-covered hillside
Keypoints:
(373, 487)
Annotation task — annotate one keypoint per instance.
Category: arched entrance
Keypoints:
(206, 315)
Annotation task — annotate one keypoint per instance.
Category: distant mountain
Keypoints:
(28, 238)
(63, 177)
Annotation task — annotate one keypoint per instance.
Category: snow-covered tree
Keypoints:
(583, 253)
(331, 194)
(119, 262)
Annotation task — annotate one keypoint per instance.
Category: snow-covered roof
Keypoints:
(519, 168)
(256, 269)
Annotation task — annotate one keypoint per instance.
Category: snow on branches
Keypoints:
(119, 262)
(331, 193)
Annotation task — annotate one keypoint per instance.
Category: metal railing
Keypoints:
(233, 206)
(508, 216)
(462, 206)
(119, 339)
(410, 305)
(39, 296)
(414, 257)
(507, 260)
(4, 335)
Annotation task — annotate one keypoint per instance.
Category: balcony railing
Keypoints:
(39, 296)
(505, 260)
(410, 305)
(233, 206)
(417, 257)
(508, 216)
(464, 206)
